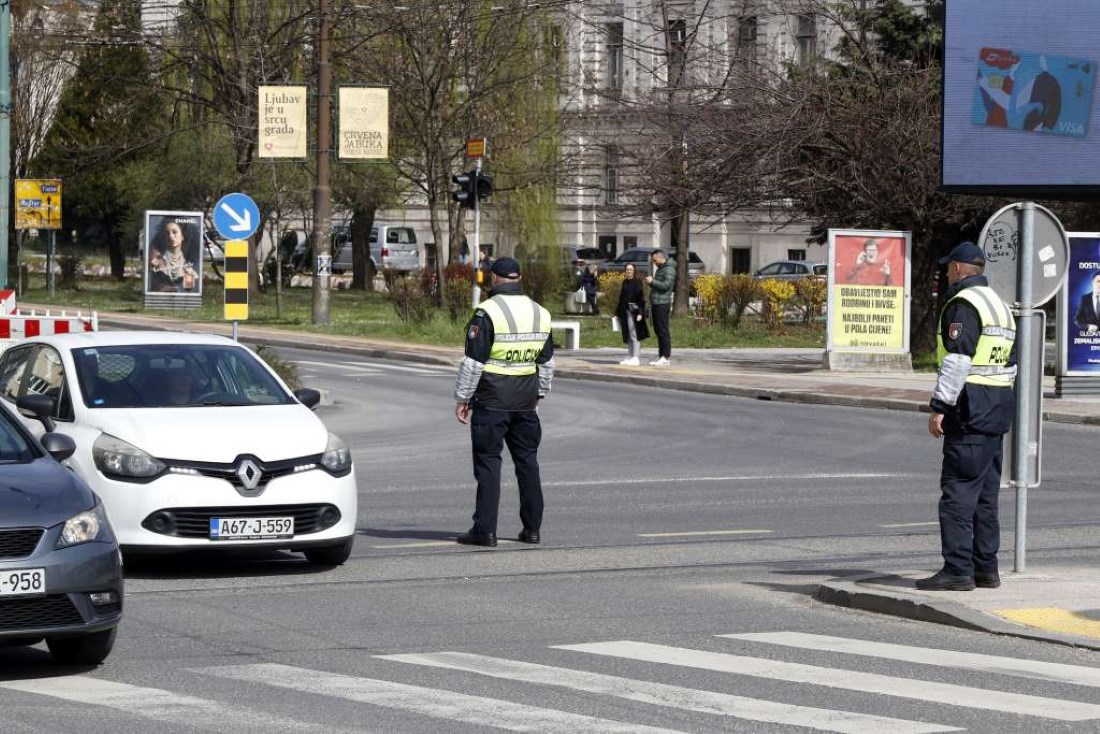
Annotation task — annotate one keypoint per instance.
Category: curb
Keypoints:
(850, 592)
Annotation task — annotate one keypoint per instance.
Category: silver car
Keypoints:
(60, 568)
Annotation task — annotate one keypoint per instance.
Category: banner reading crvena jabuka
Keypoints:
(869, 275)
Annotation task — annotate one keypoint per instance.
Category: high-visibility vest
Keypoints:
(989, 366)
(520, 330)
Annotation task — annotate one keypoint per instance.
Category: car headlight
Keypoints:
(337, 456)
(120, 460)
(84, 527)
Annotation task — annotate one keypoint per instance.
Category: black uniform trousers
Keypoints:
(522, 431)
(970, 481)
(660, 313)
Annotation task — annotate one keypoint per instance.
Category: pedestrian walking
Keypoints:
(590, 282)
(662, 284)
(972, 409)
(507, 370)
(631, 314)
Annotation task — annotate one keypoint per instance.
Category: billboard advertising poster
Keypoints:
(283, 132)
(364, 123)
(1079, 308)
(173, 252)
(1020, 107)
(868, 300)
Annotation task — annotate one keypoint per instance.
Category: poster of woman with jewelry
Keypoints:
(173, 254)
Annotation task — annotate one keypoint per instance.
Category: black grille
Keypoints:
(19, 542)
(194, 522)
(268, 469)
(43, 611)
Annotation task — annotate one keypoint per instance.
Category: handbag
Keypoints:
(579, 296)
(614, 323)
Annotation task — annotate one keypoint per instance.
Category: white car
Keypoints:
(191, 441)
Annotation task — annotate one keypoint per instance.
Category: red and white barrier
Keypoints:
(16, 325)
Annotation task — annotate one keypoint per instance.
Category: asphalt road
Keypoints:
(672, 518)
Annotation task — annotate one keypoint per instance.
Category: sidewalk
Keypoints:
(1056, 604)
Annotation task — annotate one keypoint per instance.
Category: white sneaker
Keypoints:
(660, 362)
(630, 362)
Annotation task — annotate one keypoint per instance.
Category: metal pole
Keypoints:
(234, 331)
(51, 247)
(477, 235)
(322, 192)
(5, 136)
(1023, 379)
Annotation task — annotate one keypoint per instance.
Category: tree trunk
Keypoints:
(681, 242)
(117, 256)
(362, 269)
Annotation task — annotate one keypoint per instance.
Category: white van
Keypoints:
(392, 246)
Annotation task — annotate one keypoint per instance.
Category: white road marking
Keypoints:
(434, 544)
(727, 478)
(703, 532)
(434, 702)
(660, 694)
(380, 367)
(1077, 675)
(159, 705)
(910, 524)
(945, 693)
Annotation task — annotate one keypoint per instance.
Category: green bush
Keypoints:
(413, 305)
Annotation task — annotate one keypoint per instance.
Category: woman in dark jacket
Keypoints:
(631, 313)
(590, 281)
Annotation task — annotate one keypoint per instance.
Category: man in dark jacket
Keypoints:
(662, 285)
(972, 409)
(507, 370)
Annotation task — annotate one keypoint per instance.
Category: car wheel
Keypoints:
(90, 649)
(330, 555)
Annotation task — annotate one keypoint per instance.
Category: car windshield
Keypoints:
(174, 376)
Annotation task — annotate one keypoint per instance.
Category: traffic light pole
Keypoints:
(476, 295)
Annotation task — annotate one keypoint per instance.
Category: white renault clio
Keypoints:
(191, 441)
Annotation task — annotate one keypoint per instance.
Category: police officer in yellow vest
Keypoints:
(972, 408)
(507, 370)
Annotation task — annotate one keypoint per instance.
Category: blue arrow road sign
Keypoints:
(236, 216)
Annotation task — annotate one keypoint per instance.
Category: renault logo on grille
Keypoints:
(249, 474)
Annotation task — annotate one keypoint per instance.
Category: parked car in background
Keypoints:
(639, 257)
(213, 249)
(793, 270)
(585, 255)
(392, 247)
(191, 440)
(60, 569)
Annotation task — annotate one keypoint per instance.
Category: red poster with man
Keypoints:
(868, 286)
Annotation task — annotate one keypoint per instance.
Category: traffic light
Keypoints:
(466, 193)
(484, 186)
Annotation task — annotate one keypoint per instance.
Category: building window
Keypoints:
(806, 37)
(629, 241)
(611, 176)
(746, 38)
(677, 52)
(740, 260)
(607, 244)
(614, 35)
(796, 255)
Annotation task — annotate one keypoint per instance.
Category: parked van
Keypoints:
(391, 246)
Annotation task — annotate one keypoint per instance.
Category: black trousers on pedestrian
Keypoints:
(660, 313)
(592, 307)
(970, 481)
(522, 431)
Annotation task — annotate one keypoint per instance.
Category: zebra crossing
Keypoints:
(460, 700)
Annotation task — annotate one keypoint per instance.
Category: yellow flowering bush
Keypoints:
(724, 298)
(610, 285)
(778, 295)
(809, 297)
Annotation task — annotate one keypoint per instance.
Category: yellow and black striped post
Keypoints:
(236, 280)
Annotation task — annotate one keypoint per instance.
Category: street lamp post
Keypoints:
(5, 137)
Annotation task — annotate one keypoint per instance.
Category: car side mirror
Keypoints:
(39, 407)
(308, 397)
(58, 445)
